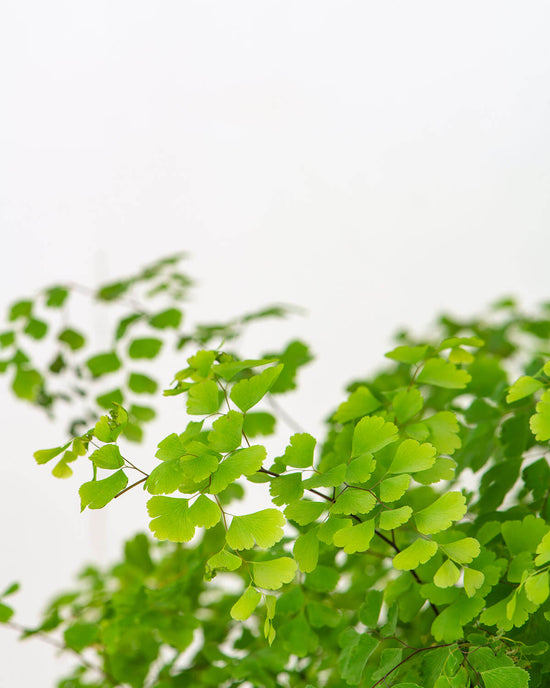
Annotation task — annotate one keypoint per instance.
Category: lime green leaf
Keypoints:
(286, 489)
(444, 429)
(441, 514)
(463, 551)
(443, 469)
(359, 470)
(202, 362)
(20, 309)
(56, 297)
(273, 574)
(393, 489)
(108, 457)
(247, 393)
(305, 511)
(263, 528)
(395, 518)
(246, 604)
(44, 455)
(80, 635)
(145, 347)
(36, 329)
(242, 462)
(360, 403)
(227, 369)
(441, 373)
(448, 626)
(356, 650)
(540, 422)
(204, 398)
(371, 434)
(108, 428)
(353, 501)
(170, 519)
(327, 529)
(306, 550)
(73, 339)
(165, 478)
(142, 384)
(168, 318)
(109, 398)
(259, 423)
(412, 556)
(408, 354)
(103, 363)
(204, 513)
(222, 561)
(523, 387)
(473, 580)
(412, 456)
(226, 434)
(536, 587)
(299, 453)
(98, 493)
(295, 355)
(27, 384)
(446, 575)
(406, 404)
(198, 462)
(142, 413)
(355, 538)
(332, 478)
(543, 549)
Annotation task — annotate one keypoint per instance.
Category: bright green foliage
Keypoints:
(380, 561)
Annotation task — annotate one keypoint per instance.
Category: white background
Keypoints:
(374, 162)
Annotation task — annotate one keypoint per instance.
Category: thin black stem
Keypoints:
(413, 654)
(131, 486)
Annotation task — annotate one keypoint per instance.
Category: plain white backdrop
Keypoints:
(374, 162)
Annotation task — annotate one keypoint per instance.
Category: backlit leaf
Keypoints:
(263, 528)
(98, 493)
(394, 488)
(170, 519)
(304, 511)
(247, 393)
(441, 373)
(242, 462)
(372, 434)
(299, 452)
(395, 518)
(306, 551)
(355, 538)
(412, 556)
(440, 515)
(273, 574)
(446, 575)
(412, 456)
(226, 434)
(540, 421)
(246, 604)
(523, 387)
(361, 402)
(203, 398)
(108, 457)
(353, 501)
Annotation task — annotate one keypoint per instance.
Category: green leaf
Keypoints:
(406, 404)
(27, 384)
(327, 529)
(443, 469)
(354, 501)
(7, 339)
(412, 556)
(446, 575)
(523, 387)
(306, 551)
(246, 604)
(295, 355)
(356, 650)
(98, 493)
(143, 414)
(36, 329)
(540, 421)
(359, 470)
(448, 625)
(441, 373)
(168, 318)
(263, 528)
(299, 453)
(106, 400)
(393, 489)
(56, 297)
(444, 429)
(20, 309)
(73, 339)
(372, 434)
(199, 462)
(166, 477)
(395, 518)
(286, 489)
(247, 393)
(259, 423)
(202, 362)
(524, 536)
(408, 354)
(111, 292)
(204, 513)
(170, 519)
(108, 457)
(463, 551)
(145, 347)
(242, 462)
(142, 384)
(355, 538)
(222, 561)
(360, 403)
(102, 364)
(226, 434)
(543, 549)
(204, 398)
(536, 587)
(473, 580)
(497, 671)
(441, 514)
(273, 574)
(369, 611)
(305, 511)
(411, 457)
(44, 455)
(227, 369)
(80, 635)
